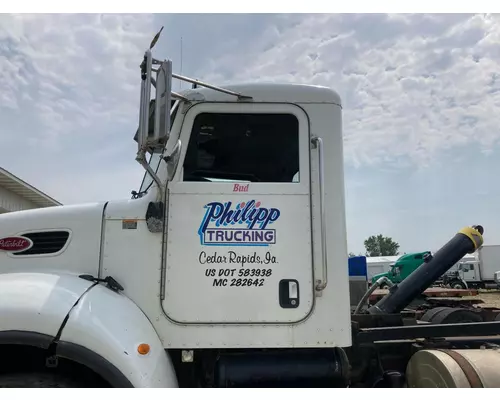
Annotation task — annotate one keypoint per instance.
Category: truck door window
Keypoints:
(243, 148)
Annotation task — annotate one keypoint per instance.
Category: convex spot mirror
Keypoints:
(172, 160)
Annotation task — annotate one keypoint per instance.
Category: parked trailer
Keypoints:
(224, 270)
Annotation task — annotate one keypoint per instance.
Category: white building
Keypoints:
(17, 195)
(377, 265)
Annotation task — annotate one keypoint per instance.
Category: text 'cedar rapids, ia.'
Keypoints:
(248, 272)
(218, 224)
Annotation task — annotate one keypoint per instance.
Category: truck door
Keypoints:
(471, 274)
(239, 246)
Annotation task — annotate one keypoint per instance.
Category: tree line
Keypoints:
(379, 246)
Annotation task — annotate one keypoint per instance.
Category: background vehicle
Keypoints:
(403, 267)
(378, 265)
(454, 280)
(480, 272)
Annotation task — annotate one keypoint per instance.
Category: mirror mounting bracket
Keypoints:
(155, 141)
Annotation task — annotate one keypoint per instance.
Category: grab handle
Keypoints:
(318, 143)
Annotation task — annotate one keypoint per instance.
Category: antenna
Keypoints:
(155, 39)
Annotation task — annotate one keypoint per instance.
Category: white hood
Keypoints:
(82, 224)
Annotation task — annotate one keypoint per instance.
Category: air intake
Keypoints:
(45, 242)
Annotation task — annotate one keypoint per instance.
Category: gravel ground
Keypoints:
(491, 298)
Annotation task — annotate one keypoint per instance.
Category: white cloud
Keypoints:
(69, 95)
(73, 68)
(413, 86)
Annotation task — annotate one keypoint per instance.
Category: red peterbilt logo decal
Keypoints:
(15, 243)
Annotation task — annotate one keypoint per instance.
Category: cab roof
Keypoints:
(260, 92)
(269, 92)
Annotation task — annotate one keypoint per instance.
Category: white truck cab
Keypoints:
(235, 242)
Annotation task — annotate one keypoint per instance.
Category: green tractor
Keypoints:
(403, 267)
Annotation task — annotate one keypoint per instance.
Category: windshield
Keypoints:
(155, 158)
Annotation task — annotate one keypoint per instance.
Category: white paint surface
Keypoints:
(112, 326)
(37, 302)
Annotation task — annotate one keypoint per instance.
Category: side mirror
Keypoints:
(496, 277)
(163, 85)
(172, 160)
(163, 102)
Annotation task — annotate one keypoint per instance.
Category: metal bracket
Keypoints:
(51, 362)
(187, 356)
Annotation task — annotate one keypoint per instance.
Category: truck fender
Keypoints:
(34, 305)
(111, 326)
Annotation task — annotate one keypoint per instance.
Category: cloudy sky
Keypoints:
(421, 97)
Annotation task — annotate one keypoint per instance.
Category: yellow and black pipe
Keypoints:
(466, 241)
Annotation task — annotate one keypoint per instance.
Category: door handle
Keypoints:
(289, 293)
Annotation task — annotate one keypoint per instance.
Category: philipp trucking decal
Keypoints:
(242, 224)
(14, 244)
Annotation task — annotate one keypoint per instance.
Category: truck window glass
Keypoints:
(243, 147)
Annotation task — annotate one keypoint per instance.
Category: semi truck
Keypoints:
(378, 265)
(482, 271)
(227, 268)
(401, 269)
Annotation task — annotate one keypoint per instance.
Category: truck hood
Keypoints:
(65, 238)
(378, 276)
